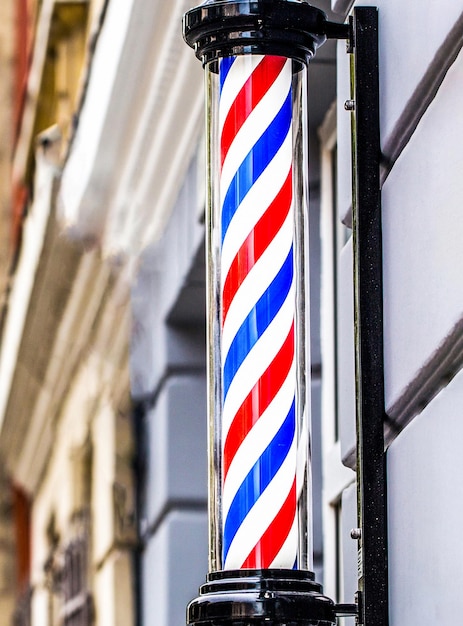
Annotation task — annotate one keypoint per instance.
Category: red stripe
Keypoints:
(271, 542)
(256, 243)
(249, 96)
(258, 399)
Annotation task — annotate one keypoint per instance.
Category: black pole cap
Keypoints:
(262, 598)
(220, 28)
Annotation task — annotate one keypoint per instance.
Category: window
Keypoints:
(77, 607)
(22, 612)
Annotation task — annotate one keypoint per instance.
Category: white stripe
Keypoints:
(254, 127)
(257, 281)
(262, 513)
(288, 552)
(258, 359)
(258, 439)
(242, 67)
(255, 203)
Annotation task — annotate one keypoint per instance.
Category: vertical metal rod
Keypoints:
(368, 307)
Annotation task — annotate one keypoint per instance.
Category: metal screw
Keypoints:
(356, 533)
(349, 105)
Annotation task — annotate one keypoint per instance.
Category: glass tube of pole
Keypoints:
(258, 308)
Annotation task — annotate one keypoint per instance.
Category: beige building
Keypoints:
(66, 432)
(8, 568)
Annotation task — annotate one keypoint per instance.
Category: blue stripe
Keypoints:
(258, 321)
(257, 160)
(225, 65)
(259, 478)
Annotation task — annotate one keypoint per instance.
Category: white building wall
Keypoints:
(423, 231)
(425, 466)
(421, 78)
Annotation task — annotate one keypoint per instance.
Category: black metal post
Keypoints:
(368, 307)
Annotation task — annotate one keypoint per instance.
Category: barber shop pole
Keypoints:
(258, 312)
(258, 356)
(258, 302)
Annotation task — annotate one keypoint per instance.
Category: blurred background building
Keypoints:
(103, 514)
(66, 441)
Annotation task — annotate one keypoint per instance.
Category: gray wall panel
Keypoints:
(177, 462)
(425, 469)
(174, 565)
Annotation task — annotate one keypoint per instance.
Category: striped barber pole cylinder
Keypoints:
(258, 312)
(255, 56)
(257, 302)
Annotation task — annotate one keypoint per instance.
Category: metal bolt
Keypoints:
(356, 533)
(349, 105)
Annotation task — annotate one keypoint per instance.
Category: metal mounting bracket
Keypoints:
(368, 316)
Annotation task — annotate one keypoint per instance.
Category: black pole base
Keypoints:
(261, 597)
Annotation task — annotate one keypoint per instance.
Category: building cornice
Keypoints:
(137, 129)
(66, 309)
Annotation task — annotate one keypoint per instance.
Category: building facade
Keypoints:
(420, 65)
(103, 356)
(66, 444)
